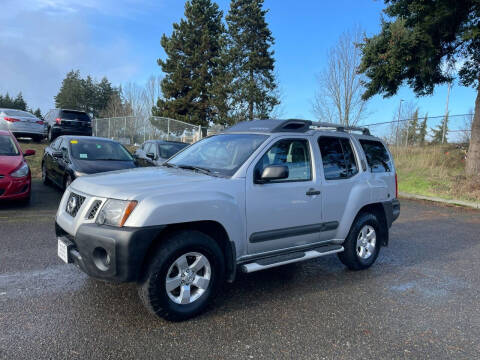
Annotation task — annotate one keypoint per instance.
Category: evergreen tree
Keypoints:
(438, 133)
(192, 65)
(412, 136)
(84, 94)
(249, 52)
(422, 131)
(13, 103)
(38, 113)
(416, 40)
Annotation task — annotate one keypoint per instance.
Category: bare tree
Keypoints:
(340, 89)
(466, 132)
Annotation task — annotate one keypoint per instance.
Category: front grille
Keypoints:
(74, 204)
(93, 209)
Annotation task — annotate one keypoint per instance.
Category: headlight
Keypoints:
(115, 212)
(22, 171)
(79, 173)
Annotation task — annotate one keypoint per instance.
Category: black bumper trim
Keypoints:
(126, 248)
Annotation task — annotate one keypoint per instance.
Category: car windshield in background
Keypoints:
(7, 146)
(92, 149)
(18, 113)
(168, 150)
(220, 154)
(75, 115)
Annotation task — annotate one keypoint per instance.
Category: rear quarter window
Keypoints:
(377, 156)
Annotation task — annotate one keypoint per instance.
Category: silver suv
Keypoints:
(262, 194)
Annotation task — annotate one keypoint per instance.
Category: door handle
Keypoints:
(312, 191)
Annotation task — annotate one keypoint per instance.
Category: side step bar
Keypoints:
(279, 260)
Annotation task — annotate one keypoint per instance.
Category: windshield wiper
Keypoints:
(197, 168)
(169, 165)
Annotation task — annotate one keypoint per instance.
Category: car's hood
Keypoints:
(140, 182)
(9, 163)
(97, 166)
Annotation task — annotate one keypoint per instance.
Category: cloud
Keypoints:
(41, 40)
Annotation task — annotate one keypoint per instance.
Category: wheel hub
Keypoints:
(366, 242)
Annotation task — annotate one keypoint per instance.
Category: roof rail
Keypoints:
(340, 127)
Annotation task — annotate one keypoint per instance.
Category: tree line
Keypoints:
(18, 103)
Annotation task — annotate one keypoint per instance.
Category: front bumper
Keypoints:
(14, 188)
(80, 131)
(127, 249)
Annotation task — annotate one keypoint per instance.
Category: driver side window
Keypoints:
(292, 153)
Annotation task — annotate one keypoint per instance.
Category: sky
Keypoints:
(41, 40)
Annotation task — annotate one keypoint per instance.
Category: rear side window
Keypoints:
(377, 156)
(337, 157)
(75, 115)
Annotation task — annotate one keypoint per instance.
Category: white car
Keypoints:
(22, 124)
(262, 194)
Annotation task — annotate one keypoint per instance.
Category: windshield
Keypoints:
(221, 154)
(94, 149)
(7, 146)
(168, 150)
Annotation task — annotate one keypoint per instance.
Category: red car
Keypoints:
(15, 177)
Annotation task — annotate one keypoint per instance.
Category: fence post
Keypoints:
(168, 129)
(125, 128)
(96, 127)
(109, 128)
(200, 132)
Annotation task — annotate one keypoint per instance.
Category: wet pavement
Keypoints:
(420, 300)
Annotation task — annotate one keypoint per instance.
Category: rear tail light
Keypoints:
(396, 186)
(58, 121)
(40, 122)
(9, 119)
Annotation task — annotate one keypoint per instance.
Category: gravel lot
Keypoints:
(420, 300)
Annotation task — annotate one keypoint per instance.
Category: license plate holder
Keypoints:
(63, 249)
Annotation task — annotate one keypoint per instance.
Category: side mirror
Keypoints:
(57, 154)
(151, 156)
(273, 172)
(29, 152)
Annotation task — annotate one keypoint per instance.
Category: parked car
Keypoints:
(69, 157)
(156, 152)
(15, 177)
(262, 194)
(22, 124)
(67, 122)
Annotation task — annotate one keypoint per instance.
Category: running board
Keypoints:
(279, 260)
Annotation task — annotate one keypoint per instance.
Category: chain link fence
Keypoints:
(134, 130)
(423, 130)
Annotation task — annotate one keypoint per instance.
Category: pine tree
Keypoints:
(422, 131)
(438, 133)
(249, 51)
(192, 64)
(19, 103)
(84, 94)
(412, 136)
(38, 113)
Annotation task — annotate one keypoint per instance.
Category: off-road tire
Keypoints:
(152, 288)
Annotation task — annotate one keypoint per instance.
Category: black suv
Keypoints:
(67, 122)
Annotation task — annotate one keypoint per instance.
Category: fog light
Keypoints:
(101, 258)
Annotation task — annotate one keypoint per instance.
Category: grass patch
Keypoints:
(35, 161)
(435, 171)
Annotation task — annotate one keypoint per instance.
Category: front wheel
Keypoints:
(45, 178)
(183, 276)
(362, 244)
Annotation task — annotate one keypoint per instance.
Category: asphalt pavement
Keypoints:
(420, 300)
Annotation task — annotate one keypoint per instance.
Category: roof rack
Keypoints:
(290, 125)
(339, 127)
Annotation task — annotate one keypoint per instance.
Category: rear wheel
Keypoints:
(183, 276)
(362, 244)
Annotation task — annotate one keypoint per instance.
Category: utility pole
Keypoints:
(446, 113)
(398, 121)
